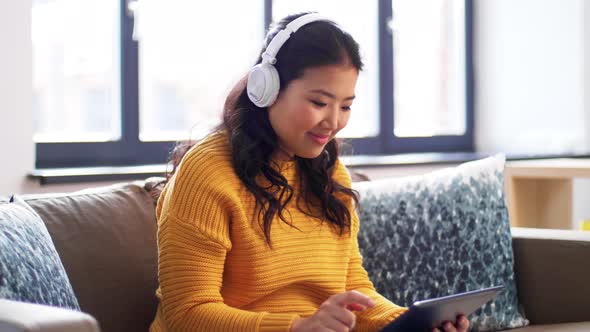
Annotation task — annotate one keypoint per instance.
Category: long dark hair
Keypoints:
(253, 140)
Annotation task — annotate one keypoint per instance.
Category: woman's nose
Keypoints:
(331, 118)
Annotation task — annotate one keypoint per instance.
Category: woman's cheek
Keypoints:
(343, 120)
(310, 118)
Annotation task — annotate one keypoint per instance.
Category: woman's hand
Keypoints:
(335, 314)
(461, 326)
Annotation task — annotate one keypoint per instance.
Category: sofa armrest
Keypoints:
(24, 317)
(553, 274)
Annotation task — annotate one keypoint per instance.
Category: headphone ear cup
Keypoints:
(263, 85)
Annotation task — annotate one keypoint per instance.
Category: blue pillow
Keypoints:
(30, 268)
(439, 234)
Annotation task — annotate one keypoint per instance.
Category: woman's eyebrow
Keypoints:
(327, 94)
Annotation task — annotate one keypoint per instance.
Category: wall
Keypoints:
(529, 59)
(582, 187)
(532, 84)
(529, 75)
(16, 127)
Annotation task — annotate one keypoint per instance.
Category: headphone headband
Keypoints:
(269, 55)
(263, 80)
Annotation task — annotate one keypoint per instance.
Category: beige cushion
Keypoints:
(106, 239)
(568, 327)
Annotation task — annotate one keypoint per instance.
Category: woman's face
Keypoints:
(312, 109)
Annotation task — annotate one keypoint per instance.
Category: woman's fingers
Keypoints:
(352, 297)
(355, 307)
(339, 308)
(335, 313)
(462, 323)
(339, 317)
(449, 327)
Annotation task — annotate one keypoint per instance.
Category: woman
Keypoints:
(256, 228)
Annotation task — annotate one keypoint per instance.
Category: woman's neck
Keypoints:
(282, 154)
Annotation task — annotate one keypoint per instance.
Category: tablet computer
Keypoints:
(428, 314)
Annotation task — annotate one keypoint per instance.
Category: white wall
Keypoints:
(532, 84)
(529, 60)
(16, 127)
(582, 187)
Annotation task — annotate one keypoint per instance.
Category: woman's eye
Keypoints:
(346, 108)
(319, 104)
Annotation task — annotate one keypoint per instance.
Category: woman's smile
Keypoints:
(318, 138)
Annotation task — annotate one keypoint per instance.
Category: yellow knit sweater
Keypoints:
(216, 271)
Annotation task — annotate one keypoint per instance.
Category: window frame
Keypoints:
(130, 151)
(386, 143)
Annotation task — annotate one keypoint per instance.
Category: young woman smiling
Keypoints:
(256, 227)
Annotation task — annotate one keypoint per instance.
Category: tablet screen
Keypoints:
(428, 314)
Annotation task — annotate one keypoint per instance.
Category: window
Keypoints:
(185, 67)
(76, 70)
(120, 86)
(428, 68)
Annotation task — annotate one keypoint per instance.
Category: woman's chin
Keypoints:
(309, 154)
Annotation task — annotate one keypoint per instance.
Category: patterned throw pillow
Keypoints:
(30, 268)
(439, 234)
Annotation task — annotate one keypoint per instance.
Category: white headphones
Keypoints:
(263, 79)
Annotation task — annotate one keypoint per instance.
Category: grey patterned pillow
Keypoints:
(439, 234)
(30, 268)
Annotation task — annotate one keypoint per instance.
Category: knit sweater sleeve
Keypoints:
(384, 311)
(193, 241)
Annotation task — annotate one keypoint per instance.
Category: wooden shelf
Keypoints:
(550, 168)
(540, 192)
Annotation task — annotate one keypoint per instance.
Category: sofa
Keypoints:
(106, 240)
